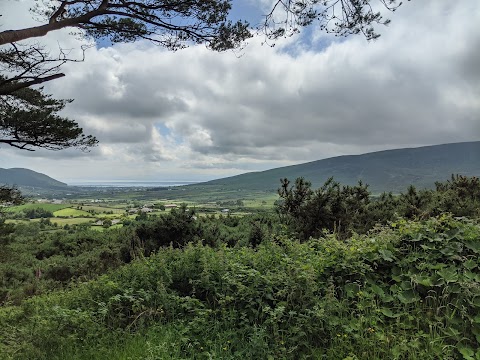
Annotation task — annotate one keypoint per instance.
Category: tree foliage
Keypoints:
(333, 207)
(29, 119)
(345, 209)
(176, 228)
(340, 17)
(10, 195)
(460, 195)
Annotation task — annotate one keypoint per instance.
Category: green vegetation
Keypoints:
(71, 221)
(406, 291)
(66, 212)
(344, 209)
(47, 207)
(388, 277)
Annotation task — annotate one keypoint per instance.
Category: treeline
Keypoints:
(32, 213)
(344, 210)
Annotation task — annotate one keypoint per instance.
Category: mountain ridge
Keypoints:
(26, 178)
(385, 170)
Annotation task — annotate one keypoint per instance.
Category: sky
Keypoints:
(197, 115)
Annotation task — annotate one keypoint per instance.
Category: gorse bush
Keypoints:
(350, 209)
(406, 291)
(332, 207)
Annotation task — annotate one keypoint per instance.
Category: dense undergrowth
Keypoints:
(409, 290)
(334, 274)
(34, 261)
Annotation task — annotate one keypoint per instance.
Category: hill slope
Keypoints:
(25, 178)
(390, 170)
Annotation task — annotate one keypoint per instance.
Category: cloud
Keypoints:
(158, 112)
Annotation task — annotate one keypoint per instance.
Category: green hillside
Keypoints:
(390, 170)
(25, 178)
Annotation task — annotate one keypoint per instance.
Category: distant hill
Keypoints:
(390, 170)
(29, 179)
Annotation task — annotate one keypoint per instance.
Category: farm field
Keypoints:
(117, 209)
(69, 221)
(70, 212)
(102, 229)
(28, 206)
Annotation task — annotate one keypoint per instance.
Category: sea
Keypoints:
(130, 183)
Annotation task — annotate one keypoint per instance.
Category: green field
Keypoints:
(58, 221)
(101, 228)
(103, 209)
(70, 221)
(261, 202)
(16, 221)
(48, 207)
(71, 212)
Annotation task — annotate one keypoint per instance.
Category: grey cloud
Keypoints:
(148, 154)
(115, 93)
(117, 130)
(350, 94)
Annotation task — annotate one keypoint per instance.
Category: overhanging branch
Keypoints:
(10, 88)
